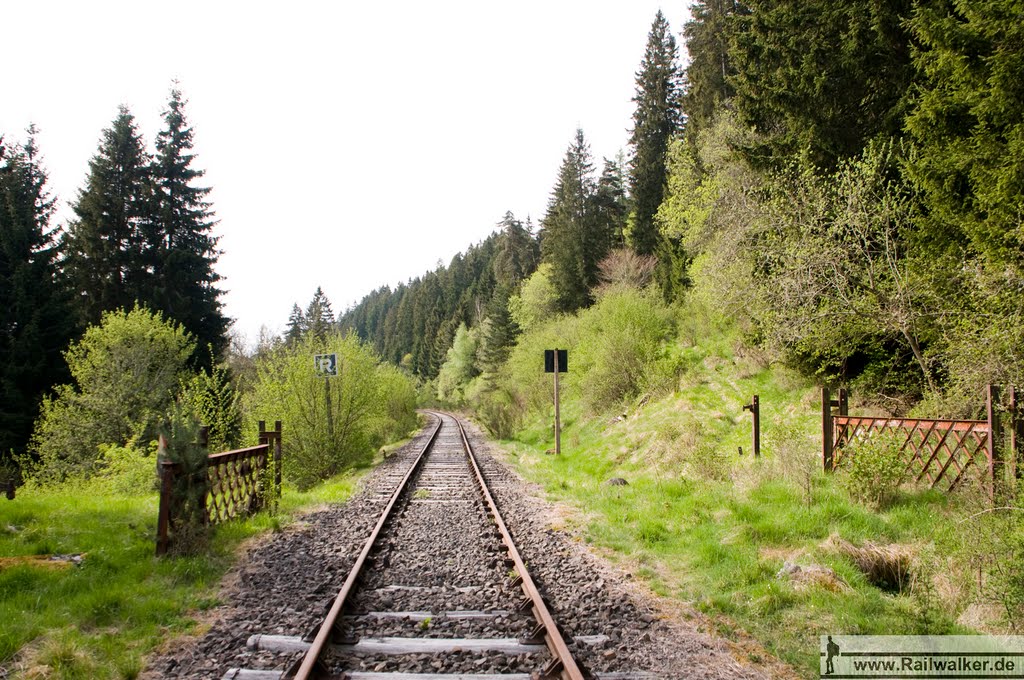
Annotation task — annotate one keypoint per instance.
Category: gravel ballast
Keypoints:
(440, 572)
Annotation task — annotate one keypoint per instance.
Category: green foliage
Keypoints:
(620, 352)
(213, 401)
(189, 528)
(967, 123)
(536, 301)
(34, 311)
(656, 120)
(874, 467)
(181, 248)
(105, 245)
(573, 240)
(370, 403)
(819, 79)
(125, 372)
(460, 367)
(711, 67)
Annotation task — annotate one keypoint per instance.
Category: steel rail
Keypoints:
(309, 662)
(568, 669)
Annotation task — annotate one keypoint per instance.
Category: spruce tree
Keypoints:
(516, 255)
(711, 68)
(571, 231)
(611, 202)
(297, 327)
(655, 120)
(104, 249)
(319, 317)
(181, 248)
(818, 79)
(35, 323)
(967, 125)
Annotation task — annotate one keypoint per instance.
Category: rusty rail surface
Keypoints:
(562, 664)
(309, 663)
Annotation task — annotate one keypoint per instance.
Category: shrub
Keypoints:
(332, 423)
(126, 371)
(873, 468)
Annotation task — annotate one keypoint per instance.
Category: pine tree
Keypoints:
(968, 122)
(319, 317)
(35, 323)
(820, 78)
(516, 255)
(568, 227)
(655, 120)
(611, 203)
(104, 250)
(297, 327)
(711, 68)
(181, 248)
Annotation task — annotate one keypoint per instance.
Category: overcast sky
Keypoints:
(348, 145)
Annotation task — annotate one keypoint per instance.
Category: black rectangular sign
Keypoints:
(549, 360)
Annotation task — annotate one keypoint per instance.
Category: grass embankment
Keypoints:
(703, 525)
(99, 619)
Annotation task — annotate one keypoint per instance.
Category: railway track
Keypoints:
(439, 591)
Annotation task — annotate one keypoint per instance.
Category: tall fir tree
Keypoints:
(967, 125)
(818, 79)
(297, 326)
(655, 121)
(181, 247)
(516, 255)
(104, 246)
(573, 241)
(710, 69)
(35, 322)
(319, 316)
(611, 202)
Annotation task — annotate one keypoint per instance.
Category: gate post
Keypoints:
(163, 524)
(826, 430)
(277, 460)
(996, 469)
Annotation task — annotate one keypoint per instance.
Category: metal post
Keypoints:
(826, 429)
(1016, 438)
(558, 423)
(330, 414)
(277, 458)
(755, 410)
(995, 441)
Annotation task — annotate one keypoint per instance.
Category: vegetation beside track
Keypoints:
(701, 524)
(100, 619)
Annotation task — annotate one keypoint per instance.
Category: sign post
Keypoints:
(327, 366)
(556, 361)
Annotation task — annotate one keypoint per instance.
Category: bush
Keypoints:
(370, 403)
(126, 371)
(873, 468)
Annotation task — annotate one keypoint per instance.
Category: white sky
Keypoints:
(348, 145)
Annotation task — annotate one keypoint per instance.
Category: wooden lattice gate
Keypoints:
(941, 453)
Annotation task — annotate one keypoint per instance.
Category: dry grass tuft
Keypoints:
(889, 567)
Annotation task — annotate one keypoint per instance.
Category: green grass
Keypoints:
(702, 524)
(99, 619)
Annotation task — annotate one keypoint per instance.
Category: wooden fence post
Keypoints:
(826, 429)
(996, 469)
(163, 524)
(277, 459)
(1016, 439)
